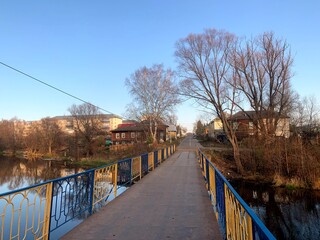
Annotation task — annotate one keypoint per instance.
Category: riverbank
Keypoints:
(104, 157)
(222, 157)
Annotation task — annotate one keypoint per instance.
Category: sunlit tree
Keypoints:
(86, 124)
(155, 96)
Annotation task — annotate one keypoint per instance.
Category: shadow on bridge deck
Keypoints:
(169, 203)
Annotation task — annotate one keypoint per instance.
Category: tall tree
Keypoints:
(263, 72)
(306, 117)
(33, 141)
(199, 128)
(155, 95)
(86, 123)
(7, 135)
(50, 134)
(206, 74)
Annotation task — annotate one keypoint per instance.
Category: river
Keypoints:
(288, 214)
(16, 173)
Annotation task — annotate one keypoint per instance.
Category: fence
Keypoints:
(37, 211)
(236, 219)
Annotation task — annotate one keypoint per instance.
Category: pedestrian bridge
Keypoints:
(167, 196)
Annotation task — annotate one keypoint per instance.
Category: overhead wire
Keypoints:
(57, 89)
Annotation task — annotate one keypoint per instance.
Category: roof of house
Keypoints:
(247, 115)
(144, 126)
(131, 128)
(172, 128)
(101, 116)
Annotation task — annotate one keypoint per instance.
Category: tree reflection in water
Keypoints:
(288, 214)
(16, 173)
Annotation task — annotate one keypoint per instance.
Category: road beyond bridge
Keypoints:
(169, 203)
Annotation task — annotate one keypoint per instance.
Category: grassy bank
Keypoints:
(223, 160)
(114, 156)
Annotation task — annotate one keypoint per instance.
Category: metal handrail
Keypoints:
(236, 219)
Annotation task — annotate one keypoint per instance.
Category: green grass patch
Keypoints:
(291, 187)
(88, 164)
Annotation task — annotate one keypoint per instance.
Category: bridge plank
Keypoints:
(170, 202)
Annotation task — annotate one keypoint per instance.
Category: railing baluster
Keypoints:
(236, 219)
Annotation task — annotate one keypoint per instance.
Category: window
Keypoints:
(123, 135)
(133, 135)
(117, 135)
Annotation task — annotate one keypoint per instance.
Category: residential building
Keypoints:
(243, 123)
(114, 122)
(136, 132)
(215, 128)
(172, 132)
(108, 122)
(65, 123)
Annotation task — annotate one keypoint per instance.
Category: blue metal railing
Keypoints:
(236, 219)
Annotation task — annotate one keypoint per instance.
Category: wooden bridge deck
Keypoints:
(169, 203)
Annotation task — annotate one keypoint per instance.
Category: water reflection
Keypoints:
(288, 214)
(16, 173)
(70, 203)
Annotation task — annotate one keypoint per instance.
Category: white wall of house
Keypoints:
(215, 127)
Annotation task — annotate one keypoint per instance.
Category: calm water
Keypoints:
(17, 173)
(288, 214)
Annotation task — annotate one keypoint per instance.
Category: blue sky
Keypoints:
(89, 48)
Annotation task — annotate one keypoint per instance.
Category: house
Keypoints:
(215, 128)
(172, 132)
(107, 122)
(243, 123)
(136, 132)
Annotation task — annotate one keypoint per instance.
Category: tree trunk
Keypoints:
(236, 156)
(155, 133)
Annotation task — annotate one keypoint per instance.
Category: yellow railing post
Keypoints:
(46, 223)
(115, 179)
(250, 237)
(159, 155)
(150, 161)
(140, 167)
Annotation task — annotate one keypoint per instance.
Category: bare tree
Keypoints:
(7, 135)
(172, 119)
(33, 141)
(311, 112)
(86, 123)
(155, 95)
(263, 73)
(306, 117)
(206, 76)
(50, 134)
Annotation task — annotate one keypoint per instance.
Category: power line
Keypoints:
(55, 88)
